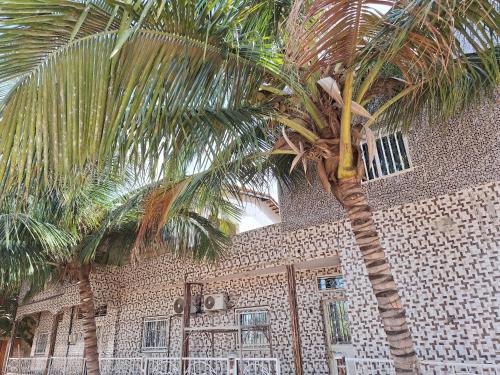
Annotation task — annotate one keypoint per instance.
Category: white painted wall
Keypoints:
(256, 215)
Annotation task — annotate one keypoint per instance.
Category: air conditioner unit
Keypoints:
(195, 304)
(214, 302)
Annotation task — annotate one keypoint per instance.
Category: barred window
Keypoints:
(391, 156)
(98, 312)
(338, 322)
(154, 334)
(101, 311)
(254, 328)
(331, 282)
(41, 343)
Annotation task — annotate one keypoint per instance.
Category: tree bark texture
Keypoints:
(384, 287)
(294, 317)
(186, 316)
(10, 345)
(89, 326)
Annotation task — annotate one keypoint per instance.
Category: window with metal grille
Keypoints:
(390, 157)
(338, 322)
(41, 343)
(101, 311)
(254, 326)
(98, 312)
(154, 334)
(331, 282)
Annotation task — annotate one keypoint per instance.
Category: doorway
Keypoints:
(338, 334)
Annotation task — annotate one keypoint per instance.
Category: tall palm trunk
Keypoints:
(379, 273)
(89, 327)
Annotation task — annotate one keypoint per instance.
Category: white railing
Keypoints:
(365, 366)
(228, 366)
(162, 366)
(121, 366)
(26, 366)
(146, 366)
(259, 366)
(66, 366)
(206, 366)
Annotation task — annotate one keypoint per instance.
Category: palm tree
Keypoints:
(420, 58)
(94, 83)
(125, 84)
(22, 330)
(97, 224)
(113, 86)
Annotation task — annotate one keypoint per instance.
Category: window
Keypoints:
(41, 343)
(338, 322)
(154, 334)
(391, 156)
(101, 311)
(254, 328)
(98, 312)
(331, 282)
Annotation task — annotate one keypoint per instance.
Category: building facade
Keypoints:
(436, 197)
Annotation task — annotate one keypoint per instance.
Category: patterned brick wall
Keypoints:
(445, 255)
(443, 250)
(446, 158)
(44, 326)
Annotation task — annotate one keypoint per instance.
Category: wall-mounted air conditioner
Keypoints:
(214, 302)
(195, 304)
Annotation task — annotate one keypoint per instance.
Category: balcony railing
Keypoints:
(146, 366)
(228, 366)
(366, 366)
(26, 366)
(66, 366)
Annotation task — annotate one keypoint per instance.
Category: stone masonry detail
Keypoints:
(443, 251)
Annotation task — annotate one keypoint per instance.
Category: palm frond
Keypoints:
(75, 109)
(192, 235)
(78, 111)
(334, 31)
(445, 55)
(31, 32)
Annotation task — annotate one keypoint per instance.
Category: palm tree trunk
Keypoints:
(379, 273)
(89, 327)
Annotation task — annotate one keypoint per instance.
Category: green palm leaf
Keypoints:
(76, 109)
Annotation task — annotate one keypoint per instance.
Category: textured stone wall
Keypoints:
(444, 254)
(447, 157)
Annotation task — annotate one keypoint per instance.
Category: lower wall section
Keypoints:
(444, 254)
(252, 294)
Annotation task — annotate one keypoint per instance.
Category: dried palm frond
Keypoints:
(334, 31)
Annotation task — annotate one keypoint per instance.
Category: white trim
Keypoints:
(404, 171)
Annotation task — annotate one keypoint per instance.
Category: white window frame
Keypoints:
(262, 328)
(156, 347)
(376, 160)
(41, 351)
(330, 277)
